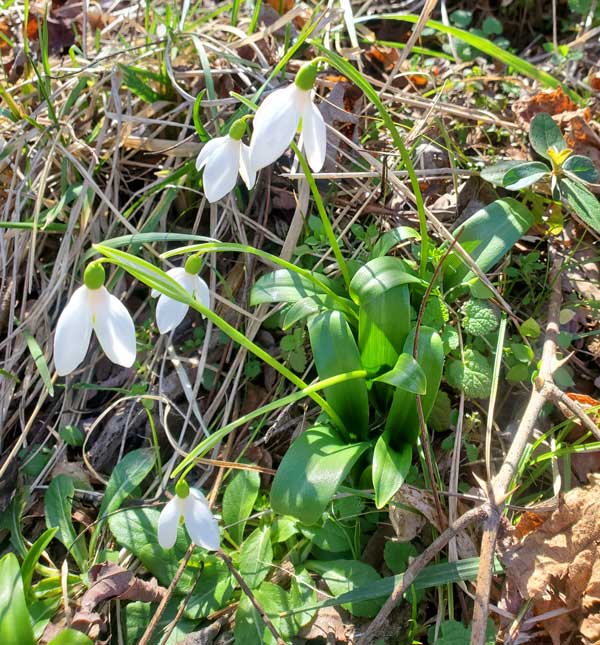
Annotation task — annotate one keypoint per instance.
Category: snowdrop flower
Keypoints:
(222, 158)
(169, 312)
(277, 119)
(200, 523)
(92, 307)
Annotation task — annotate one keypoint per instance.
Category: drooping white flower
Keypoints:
(92, 307)
(222, 159)
(200, 523)
(278, 116)
(170, 312)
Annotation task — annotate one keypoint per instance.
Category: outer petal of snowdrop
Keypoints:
(114, 327)
(73, 332)
(168, 522)
(221, 169)
(247, 171)
(200, 522)
(314, 136)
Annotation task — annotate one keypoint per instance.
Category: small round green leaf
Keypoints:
(544, 134)
(524, 175)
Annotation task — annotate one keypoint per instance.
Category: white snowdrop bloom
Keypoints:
(278, 116)
(92, 307)
(222, 159)
(200, 523)
(170, 312)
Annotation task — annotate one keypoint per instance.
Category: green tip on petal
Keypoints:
(94, 275)
(306, 76)
(193, 265)
(182, 489)
(237, 129)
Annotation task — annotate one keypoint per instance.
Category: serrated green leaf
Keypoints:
(479, 317)
(473, 375)
(524, 175)
(256, 556)
(544, 134)
(238, 502)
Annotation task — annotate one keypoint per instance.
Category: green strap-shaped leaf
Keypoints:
(15, 623)
(238, 502)
(378, 276)
(284, 285)
(390, 467)
(406, 375)
(314, 466)
(32, 557)
(335, 352)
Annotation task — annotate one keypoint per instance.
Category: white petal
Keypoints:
(73, 331)
(247, 172)
(208, 149)
(176, 273)
(200, 290)
(275, 124)
(221, 170)
(314, 136)
(169, 313)
(168, 522)
(200, 522)
(114, 327)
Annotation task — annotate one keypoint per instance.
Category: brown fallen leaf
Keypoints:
(557, 567)
(329, 625)
(554, 102)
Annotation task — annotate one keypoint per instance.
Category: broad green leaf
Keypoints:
(213, 590)
(473, 375)
(384, 322)
(335, 352)
(71, 637)
(488, 235)
(256, 556)
(32, 557)
(582, 201)
(238, 502)
(313, 467)
(128, 474)
(284, 285)
(403, 419)
(479, 317)
(524, 175)
(495, 174)
(136, 530)
(343, 576)
(302, 592)
(378, 276)
(249, 626)
(139, 614)
(15, 622)
(390, 468)
(454, 633)
(407, 375)
(582, 167)
(392, 238)
(544, 134)
(332, 536)
(306, 307)
(57, 505)
(40, 361)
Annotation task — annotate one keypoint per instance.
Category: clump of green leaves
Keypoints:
(565, 174)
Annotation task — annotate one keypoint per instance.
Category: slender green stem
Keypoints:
(203, 447)
(345, 68)
(323, 214)
(154, 440)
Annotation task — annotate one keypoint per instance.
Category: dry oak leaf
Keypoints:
(554, 102)
(557, 566)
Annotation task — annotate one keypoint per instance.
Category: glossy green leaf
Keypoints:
(488, 235)
(524, 175)
(544, 134)
(212, 591)
(582, 201)
(495, 174)
(378, 276)
(127, 475)
(139, 614)
(392, 238)
(390, 467)
(582, 167)
(407, 375)
(32, 557)
(335, 352)
(403, 420)
(343, 576)
(57, 505)
(313, 467)
(71, 637)
(284, 285)
(306, 307)
(256, 556)
(238, 502)
(384, 322)
(15, 622)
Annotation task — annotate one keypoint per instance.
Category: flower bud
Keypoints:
(94, 275)
(182, 489)
(306, 76)
(193, 265)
